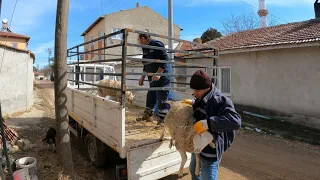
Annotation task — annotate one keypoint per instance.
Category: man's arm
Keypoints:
(227, 119)
(161, 55)
(160, 70)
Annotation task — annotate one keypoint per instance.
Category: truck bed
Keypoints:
(147, 157)
(107, 112)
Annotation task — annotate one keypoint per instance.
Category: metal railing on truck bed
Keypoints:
(195, 51)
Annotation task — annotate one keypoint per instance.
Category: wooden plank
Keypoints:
(107, 130)
(110, 116)
(73, 131)
(108, 103)
(99, 116)
(153, 161)
(111, 142)
(93, 112)
(83, 103)
(122, 131)
(72, 100)
(80, 112)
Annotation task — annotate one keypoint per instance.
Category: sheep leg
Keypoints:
(162, 133)
(183, 162)
(197, 171)
(172, 143)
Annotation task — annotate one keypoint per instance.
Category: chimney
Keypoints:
(263, 12)
(4, 24)
(137, 5)
(317, 9)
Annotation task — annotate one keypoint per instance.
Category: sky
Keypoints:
(36, 18)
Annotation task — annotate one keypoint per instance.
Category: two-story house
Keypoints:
(139, 18)
(11, 39)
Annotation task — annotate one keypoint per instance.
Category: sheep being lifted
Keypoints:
(103, 92)
(179, 122)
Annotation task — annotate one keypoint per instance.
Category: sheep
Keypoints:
(103, 92)
(179, 122)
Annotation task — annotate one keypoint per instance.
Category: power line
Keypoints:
(4, 50)
(0, 8)
(114, 3)
(255, 8)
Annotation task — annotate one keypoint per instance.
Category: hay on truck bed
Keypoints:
(137, 132)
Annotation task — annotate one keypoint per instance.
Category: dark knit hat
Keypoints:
(200, 80)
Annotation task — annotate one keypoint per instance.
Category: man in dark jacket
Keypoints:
(159, 96)
(221, 120)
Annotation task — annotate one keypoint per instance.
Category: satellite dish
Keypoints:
(5, 21)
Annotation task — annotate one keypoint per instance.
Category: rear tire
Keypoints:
(96, 150)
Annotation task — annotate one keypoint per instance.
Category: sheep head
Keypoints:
(129, 97)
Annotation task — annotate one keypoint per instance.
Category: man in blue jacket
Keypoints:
(159, 96)
(220, 119)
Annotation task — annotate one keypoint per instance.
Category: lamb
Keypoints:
(179, 122)
(103, 92)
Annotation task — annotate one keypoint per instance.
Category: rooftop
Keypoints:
(102, 17)
(291, 33)
(9, 34)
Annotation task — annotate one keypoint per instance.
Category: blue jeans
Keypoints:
(208, 169)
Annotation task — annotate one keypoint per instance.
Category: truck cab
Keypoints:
(88, 78)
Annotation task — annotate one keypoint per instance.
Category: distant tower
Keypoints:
(263, 12)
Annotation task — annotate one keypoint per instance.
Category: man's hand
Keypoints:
(200, 126)
(156, 78)
(141, 80)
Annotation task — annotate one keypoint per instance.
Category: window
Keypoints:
(71, 75)
(92, 43)
(118, 36)
(15, 45)
(224, 80)
(99, 58)
(90, 77)
(100, 34)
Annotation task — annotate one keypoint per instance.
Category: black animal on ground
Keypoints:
(51, 136)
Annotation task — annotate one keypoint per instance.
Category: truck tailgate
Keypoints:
(153, 161)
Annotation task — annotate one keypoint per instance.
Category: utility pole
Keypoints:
(60, 86)
(170, 34)
(49, 55)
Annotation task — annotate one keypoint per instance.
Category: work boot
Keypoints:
(147, 114)
(160, 123)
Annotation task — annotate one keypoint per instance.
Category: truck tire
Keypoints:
(96, 150)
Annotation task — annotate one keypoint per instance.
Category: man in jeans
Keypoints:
(219, 117)
(159, 96)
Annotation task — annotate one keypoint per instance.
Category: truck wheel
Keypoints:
(96, 150)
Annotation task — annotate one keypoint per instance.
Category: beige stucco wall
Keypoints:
(21, 43)
(283, 80)
(94, 32)
(16, 81)
(139, 19)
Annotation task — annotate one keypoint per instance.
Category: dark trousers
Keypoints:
(161, 97)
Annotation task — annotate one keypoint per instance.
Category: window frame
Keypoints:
(118, 36)
(16, 45)
(219, 83)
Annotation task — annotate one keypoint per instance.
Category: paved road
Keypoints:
(257, 156)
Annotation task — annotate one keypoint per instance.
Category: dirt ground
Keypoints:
(252, 156)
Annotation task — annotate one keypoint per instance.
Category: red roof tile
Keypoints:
(10, 134)
(291, 33)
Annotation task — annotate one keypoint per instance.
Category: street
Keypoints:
(252, 156)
